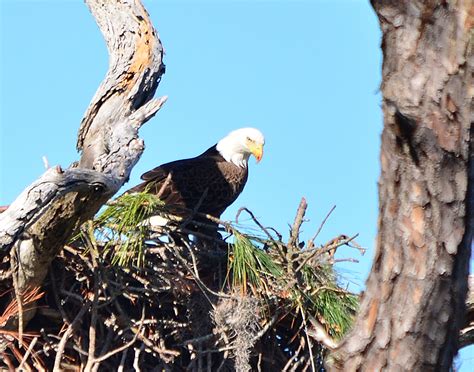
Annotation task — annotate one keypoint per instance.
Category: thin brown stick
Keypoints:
(279, 247)
(265, 329)
(311, 241)
(123, 347)
(257, 222)
(18, 295)
(136, 359)
(295, 229)
(324, 250)
(28, 352)
(164, 186)
(200, 283)
(195, 209)
(310, 346)
(8, 361)
(122, 360)
(199, 339)
(293, 358)
(67, 333)
(319, 334)
(93, 323)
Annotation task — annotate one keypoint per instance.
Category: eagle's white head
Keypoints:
(238, 145)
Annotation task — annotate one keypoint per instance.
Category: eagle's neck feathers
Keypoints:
(233, 151)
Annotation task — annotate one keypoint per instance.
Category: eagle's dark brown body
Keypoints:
(208, 173)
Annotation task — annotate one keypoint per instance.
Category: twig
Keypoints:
(311, 241)
(305, 368)
(8, 361)
(193, 258)
(105, 345)
(328, 248)
(198, 339)
(293, 358)
(160, 351)
(195, 209)
(18, 294)
(204, 236)
(197, 280)
(257, 222)
(277, 245)
(145, 340)
(295, 229)
(353, 260)
(332, 289)
(310, 346)
(136, 359)
(64, 338)
(164, 186)
(319, 334)
(259, 362)
(28, 352)
(72, 295)
(124, 346)
(93, 322)
(267, 327)
(335, 243)
(122, 360)
(219, 350)
(358, 247)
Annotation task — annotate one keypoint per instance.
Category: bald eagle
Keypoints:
(211, 181)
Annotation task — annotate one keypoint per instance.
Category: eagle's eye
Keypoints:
(250, 139)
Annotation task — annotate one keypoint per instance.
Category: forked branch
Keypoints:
(45, 215)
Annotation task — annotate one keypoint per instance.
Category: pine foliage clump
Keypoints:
(127, 295)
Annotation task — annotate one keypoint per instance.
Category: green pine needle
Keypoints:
(318, 294)
(250, 264)
(334, 306)
(122, 224)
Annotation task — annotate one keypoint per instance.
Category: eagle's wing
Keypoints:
(219, 181)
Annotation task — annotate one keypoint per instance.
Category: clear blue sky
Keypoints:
(306, 73)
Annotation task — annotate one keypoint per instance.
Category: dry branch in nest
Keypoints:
(188, 304)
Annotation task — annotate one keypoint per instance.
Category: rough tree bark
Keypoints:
(40, 221)
(414, 302)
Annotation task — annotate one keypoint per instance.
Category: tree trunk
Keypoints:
(41, 220)
(414, 303)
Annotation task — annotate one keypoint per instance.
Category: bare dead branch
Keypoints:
(311, 241)
(67, 334)
(43, 217)
(295, 229)
(28, 352)
(320, 335)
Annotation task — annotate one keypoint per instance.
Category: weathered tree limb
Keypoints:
(414, 304)
(44, 216)
(135, 69)
(36, 199)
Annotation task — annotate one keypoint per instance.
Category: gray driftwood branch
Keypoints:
(41, 220)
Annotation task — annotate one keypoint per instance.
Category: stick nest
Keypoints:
(125, 296)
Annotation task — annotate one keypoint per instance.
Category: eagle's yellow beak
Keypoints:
(257, 151)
